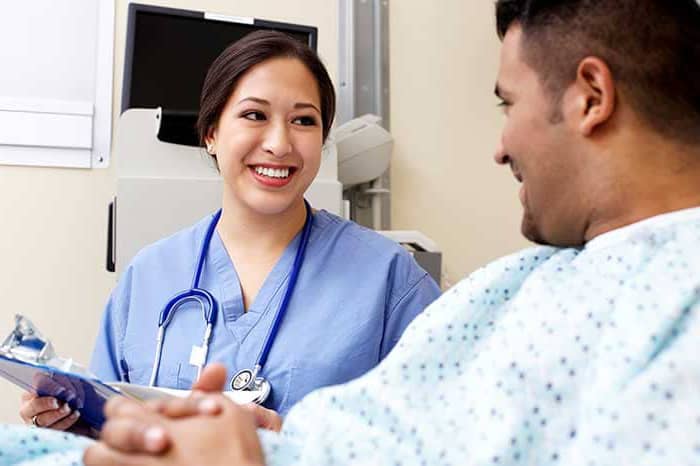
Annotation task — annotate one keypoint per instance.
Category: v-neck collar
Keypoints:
(236, 319)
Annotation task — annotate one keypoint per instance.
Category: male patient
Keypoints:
(581, 351)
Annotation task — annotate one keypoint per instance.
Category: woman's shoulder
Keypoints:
(181, 246)
(342, 237)
(348, 233)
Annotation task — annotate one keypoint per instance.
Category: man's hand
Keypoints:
(212, 380)
(131, 433)
(203, 405)
(135, 430)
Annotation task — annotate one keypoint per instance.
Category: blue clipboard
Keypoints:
(87, 395)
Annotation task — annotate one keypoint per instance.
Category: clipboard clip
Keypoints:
(27, 344)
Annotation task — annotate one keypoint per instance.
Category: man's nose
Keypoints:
(501, 157)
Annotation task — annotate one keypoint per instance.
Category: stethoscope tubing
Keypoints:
(209, 305)
(282, 309)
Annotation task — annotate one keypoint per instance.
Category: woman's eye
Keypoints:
(304, 121)
(254, 116)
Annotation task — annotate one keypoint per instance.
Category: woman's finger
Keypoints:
(35, 406)
(67, 422)
(49, 418)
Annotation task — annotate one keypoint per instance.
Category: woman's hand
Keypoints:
(46, 412)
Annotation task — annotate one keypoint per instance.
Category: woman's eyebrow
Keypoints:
(306, 105)
(298, 105)
(254, 99)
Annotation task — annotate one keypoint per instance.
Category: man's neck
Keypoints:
(661, 180)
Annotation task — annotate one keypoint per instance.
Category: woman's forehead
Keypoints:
(281, 79)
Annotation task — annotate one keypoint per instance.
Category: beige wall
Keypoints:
(444, 119)
(446, 125)
(53, 234)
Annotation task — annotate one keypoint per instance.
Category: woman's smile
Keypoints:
(272, 176)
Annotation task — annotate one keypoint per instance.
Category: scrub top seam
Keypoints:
(225, 269)
(409, 290)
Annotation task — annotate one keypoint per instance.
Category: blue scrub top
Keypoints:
(356, 293)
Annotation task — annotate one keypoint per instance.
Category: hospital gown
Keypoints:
(550, 356)
(31, 446)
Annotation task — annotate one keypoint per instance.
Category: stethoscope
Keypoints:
(245, 379)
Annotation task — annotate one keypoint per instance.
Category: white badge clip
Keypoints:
(197, 358)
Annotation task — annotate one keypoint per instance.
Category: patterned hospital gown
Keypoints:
(550, 356)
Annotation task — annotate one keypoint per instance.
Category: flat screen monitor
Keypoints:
(168, 53)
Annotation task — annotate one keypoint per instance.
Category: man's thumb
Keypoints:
(213, 379)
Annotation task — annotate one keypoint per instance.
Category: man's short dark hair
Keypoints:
(651, 46)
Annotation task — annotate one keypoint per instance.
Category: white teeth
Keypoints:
(272, 172)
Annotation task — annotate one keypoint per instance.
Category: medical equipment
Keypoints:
(423, 249)
(169, 50)
(364, 150)
(245, 379)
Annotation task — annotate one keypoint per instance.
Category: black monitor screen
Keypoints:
(169, 52)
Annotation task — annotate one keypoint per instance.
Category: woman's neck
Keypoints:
(244, 231)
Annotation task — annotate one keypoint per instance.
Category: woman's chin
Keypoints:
(273, 203)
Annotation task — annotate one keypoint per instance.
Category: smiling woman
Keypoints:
(305, 298)
(281, 117)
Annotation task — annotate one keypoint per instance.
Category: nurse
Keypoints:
(266, 108)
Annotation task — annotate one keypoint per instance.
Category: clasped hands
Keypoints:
(205, 428)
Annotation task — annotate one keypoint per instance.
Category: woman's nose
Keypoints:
(277, 141)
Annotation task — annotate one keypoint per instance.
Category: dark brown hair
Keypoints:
(651, 46)
(242, 55)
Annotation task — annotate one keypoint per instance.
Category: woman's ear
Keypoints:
(210, 141)
(595, 94)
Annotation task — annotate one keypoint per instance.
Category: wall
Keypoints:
(446, 125)
(54, 221)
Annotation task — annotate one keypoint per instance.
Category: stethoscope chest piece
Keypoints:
(245, 380)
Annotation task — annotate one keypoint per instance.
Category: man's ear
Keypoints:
(596, 99)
